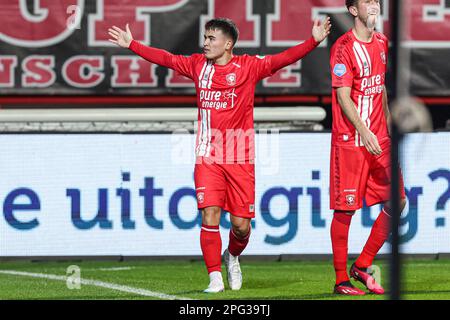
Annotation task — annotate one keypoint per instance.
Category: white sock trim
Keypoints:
(386, 213)
(210, 230)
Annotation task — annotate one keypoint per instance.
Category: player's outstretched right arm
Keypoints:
(319, 32)
(368, 137)
(124, 39)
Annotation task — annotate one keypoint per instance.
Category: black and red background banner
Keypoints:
(60, 47)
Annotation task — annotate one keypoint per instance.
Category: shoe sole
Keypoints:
(205, 291)
(347, 294)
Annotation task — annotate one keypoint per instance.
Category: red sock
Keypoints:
(236, 244)
(378, 235)
(339, 240)
(211, 245)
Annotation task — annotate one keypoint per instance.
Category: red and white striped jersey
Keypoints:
(361, 66)
(225, 99)
(225, 95)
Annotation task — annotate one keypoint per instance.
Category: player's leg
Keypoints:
(238, 239)
(345, 198)
(340, 226)
(211, 245)
(240, 199)
(362, 269)
(239, 234)
(378, 235)
(378, 191)
(209, 183)
(339, 240)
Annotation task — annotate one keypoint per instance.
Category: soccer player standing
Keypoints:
(224, 171)
(360, 148)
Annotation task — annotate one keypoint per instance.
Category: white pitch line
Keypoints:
(115, 269)
(112, 286)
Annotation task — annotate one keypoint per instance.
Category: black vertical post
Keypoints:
(396, 136)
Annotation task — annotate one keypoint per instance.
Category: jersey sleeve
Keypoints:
(184, 65)
(268, 65)
(341, 67)
(181, 64)
(261, 67)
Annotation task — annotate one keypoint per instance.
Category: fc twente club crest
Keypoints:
(350, 199)
(231, 79)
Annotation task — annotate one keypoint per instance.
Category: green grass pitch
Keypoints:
(422, 279)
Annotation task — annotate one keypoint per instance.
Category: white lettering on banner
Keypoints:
(7, 71)
(83, 71)
(38, 71)
(428, 28)
(137, 13)
(44, 26)
(155, 200)
(132, 71)
(128, 72)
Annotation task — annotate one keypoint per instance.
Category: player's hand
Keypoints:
(120, 37)
(321, 30)
(370, 142)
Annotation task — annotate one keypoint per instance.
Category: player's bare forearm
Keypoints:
(387, 113)
(348, 107)
(350, 111)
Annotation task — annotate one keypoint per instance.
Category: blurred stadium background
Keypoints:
(97, 144)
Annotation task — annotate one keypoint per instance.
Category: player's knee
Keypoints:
(211, 215)
(241, 230)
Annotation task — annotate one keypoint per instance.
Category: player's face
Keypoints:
(215, 44)
(367, 11)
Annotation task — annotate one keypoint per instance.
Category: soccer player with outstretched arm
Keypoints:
(224, 172)
(360, 148)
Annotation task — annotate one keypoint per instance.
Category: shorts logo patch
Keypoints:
(252, 208)
(201, 197)
(339, 69)
(350, 199)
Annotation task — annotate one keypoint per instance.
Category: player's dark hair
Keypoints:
(350, 3)
(225, 25)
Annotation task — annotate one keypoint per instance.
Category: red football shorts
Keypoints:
(229, 186)
(355, 174)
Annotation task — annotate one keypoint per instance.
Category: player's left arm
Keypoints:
(387, 113)
(320, 31)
